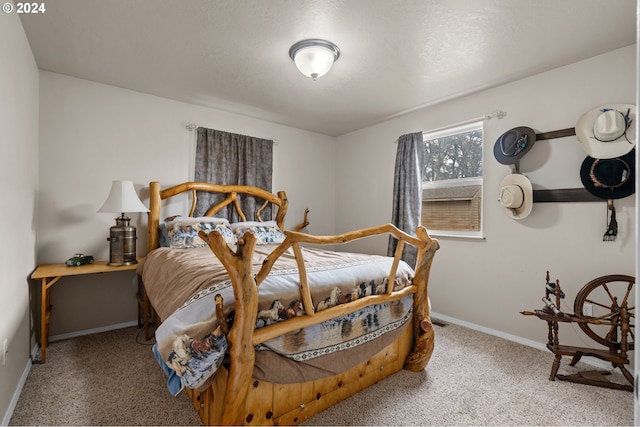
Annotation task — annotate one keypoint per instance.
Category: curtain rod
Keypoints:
(192, 126)
(499, 114)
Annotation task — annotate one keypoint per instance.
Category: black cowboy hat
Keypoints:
(610, 178)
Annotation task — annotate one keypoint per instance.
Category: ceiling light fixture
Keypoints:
(314, 57)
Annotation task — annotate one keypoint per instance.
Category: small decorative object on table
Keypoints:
(79, 259)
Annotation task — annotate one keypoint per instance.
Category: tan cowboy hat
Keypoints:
(516, 196)
(608, 131)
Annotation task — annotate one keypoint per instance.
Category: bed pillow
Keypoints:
(266, 232)
(182, 232)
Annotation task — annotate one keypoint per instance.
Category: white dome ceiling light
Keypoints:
(314, 57)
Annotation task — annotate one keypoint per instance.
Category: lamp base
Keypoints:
(120, 264)
(122, 238)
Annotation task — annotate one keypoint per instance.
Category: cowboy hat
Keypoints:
(610, 178)
(607, 131)
(513, 144)
(516, 196)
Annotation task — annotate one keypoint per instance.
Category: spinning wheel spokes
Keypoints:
(607, 309)
(608, 297)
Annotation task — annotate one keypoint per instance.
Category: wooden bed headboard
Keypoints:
(231, 192)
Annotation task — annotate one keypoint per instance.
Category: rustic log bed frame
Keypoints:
(235, 397)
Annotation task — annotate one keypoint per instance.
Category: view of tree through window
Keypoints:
(453, 156)
(452, 181)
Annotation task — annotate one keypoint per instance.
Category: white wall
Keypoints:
(488, 282)
(92, 134)
(19, 178)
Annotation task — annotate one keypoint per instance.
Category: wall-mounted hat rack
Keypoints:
(560, 195)
(564, 195)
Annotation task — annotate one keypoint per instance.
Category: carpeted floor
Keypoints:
(472, 379)
(109, 378)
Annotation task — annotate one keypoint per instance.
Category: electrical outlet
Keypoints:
(587, 310)
(5, 350)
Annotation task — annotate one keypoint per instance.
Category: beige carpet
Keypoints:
(472, 379)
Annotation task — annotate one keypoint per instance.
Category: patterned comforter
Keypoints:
(182, 283)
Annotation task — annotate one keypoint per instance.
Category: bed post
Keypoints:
(282, 209)
(423, 335)
(241, 348)
(154, 215)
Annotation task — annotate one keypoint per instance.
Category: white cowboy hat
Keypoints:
(516, 196)
(608, 131)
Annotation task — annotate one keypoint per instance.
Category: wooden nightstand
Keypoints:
(49, 274)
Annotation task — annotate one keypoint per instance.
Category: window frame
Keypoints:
(452, 183)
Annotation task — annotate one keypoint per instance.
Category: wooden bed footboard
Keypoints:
(243, 336)
(235, 397)
(290, 404)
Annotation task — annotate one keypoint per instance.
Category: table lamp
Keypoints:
(122, 236)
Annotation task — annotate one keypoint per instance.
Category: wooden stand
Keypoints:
(618, 320)
(49, 274)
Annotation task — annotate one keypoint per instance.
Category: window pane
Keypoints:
(452, 213)
(453, 156)
(452, 181)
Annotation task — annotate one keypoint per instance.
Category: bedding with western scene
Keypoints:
(248, 299)
(187, 341)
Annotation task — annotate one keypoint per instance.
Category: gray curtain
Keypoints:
(407, 192)
(232, 159)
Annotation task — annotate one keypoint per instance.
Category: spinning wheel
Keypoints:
(603, 312)
(608, 296)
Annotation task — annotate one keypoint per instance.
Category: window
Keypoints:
(452, 181)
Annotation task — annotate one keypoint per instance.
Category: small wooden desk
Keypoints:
(49, 274)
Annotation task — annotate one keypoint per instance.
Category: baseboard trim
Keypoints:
(16, 394)
(601, 364)
(108, 328)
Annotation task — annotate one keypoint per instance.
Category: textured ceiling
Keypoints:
(396, 56)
